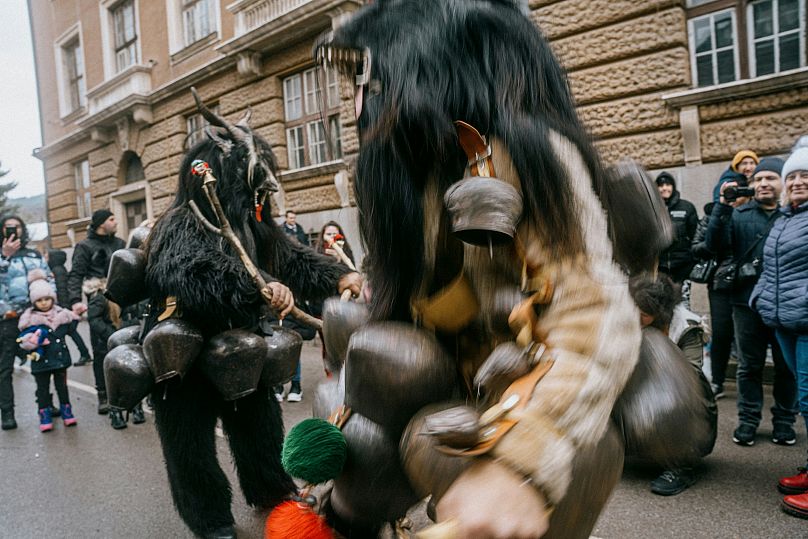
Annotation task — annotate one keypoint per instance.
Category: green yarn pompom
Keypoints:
(314, 451)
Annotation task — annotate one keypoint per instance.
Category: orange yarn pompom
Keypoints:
(296, 520)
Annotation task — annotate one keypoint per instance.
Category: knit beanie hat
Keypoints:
(99, 217)
(796, 161)
(666, 178)
(770, 164)
(740, 156)
(38, 286)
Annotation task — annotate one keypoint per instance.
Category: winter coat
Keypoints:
(54, 325)
(14, 279)
(56, 261)
(677, 259)
(297, 233)
(737, 229)
(781, 293)
(90, 259)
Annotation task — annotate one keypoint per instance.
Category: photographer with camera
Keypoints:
(742, 228)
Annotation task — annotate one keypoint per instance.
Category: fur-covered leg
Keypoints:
(186, 420)
(254, 428)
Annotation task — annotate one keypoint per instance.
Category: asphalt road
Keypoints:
(93, 482)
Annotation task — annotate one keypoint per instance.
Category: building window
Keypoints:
(305, 134)
(196, 20)
(195, 125)
(776, 36)
(81, 173)
(713, 48)
(74, 75)
(125, 35)
(135, 213)
(131, 169)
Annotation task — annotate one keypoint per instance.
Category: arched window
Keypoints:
(131, 170)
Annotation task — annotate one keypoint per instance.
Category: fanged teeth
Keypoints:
(341, 58)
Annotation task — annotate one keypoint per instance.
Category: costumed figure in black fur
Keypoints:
(193, 276)
(499, 281)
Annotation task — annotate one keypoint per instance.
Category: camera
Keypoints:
(9, 231)
(733, 193)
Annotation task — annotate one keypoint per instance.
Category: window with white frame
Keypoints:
(714, 48)
(81, 173)
(196, 20)
(305, 134)
(124, 34)
(776, 36)
(74, 85)
(195, 125)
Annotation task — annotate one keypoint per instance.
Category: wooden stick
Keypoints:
(200, 168)
(342, 255)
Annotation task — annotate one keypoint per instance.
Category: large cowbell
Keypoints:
(233, 361)
(128, 377)
(484, 211)
(340, 320)
(126, 335)
(171, 347)
(282, 357)
(126, 279)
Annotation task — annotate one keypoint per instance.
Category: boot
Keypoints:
(103, 405)
(55, 412)
(67, 415)
(226, 532)
(83, 360)
(117, 420)
(796, 505)
(9, 422)
(137, 415)
(45, 420)
(796, 484)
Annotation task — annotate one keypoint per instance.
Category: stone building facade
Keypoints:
(679, 85)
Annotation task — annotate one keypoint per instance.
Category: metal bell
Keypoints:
(373, 487)
(127, 375)
(340, 320)
(328, 396)
(127, 335)
(507, 363)
(283, 355)
(393, 370)
(171, 347)
(138, 237)
(126, 279)
(484, 211)
(232, 361)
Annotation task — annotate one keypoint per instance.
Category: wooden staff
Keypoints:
(201, 168)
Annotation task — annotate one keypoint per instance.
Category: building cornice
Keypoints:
(768, 84)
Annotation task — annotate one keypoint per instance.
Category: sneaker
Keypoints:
(117, 420)
(744, 435)
(23, 360)
(796, 484)
(295, 393)
(83, 361)
(718, 391)
(55, 412)
(103, 405)
(45, 420)
(137, 415)
(672, 482)
(67, 415)
(784, 435)
(278, 390)
(8, 421)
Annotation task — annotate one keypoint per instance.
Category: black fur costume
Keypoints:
(215, 293)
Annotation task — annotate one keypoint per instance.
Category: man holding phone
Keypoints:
(16, 261)
(742, 229)
(91, 259)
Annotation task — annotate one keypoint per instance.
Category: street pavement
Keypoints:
(90, 481)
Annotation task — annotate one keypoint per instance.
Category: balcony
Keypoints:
(265, 25)
(125, 93)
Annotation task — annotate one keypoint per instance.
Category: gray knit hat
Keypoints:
(796, 161)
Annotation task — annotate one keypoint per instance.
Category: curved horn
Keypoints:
(245, 120)
(209, 115)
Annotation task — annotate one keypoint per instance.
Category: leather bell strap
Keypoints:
(477, 150)
(340, 416)
(497, 420)
(171, 308)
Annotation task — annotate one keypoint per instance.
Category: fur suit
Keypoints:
(420, 65)
(215, 293)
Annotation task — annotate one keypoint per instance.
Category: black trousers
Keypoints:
(8, 350)
(723, 333)
(98, 340)
(185, 414)
(74, 334)
(43, 396)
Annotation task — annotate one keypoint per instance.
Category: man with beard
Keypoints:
(88, 274)
(743, 230)
(677, 261)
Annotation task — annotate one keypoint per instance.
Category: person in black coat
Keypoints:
(56, 262)
(677, 260)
